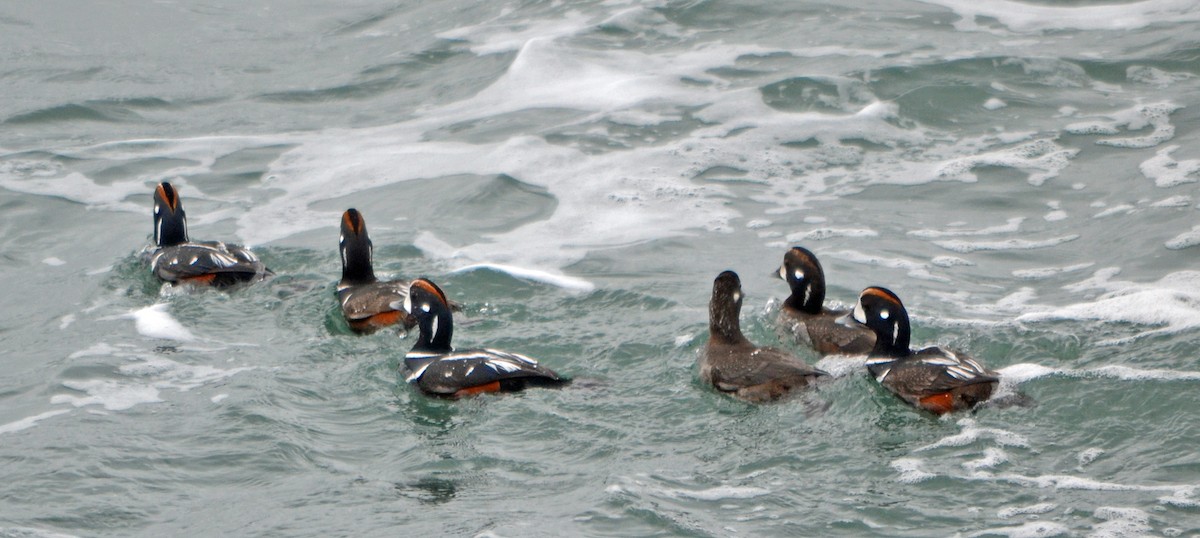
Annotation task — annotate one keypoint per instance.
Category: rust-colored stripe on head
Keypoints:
(804, 255)
(431, 288)
(881, 293)
(167, 193)
(353, 221)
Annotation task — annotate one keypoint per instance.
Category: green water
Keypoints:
(1022, 174)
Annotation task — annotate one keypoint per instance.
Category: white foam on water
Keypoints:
(53, 261)
(496, 36)
(1174, 201)
(104, 349)
(1079, 483)
(29, 532)
(820, 234)
(994, 104)
(1055, 216)
(1024, 372)
(1089, 455)
(1115, 210)
(1032, 529)
(633, 196)
(1042, 159)
(716, 493)
(142, 383)
(51, 179)
(1154, 115)
(1047, 272)
(911, 470)
(992, 457)
(155, 322)
(950, 261)
(168, 374)
(1025, 18)
(1121, 523)
(1184, 240)
(913, 268)
(66, 321)
(545, 277)
(1154, 76)
(958, 245)
(1012, 225)
(972, 433)
(1172, 303)
(29, 422)
(219, 398)
(842, 365)
(112, 395)
(1040, 508)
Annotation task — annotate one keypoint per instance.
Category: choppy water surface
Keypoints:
(1023, 174)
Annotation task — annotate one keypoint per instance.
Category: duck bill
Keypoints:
(780, 273)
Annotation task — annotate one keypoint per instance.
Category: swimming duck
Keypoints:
(804, 314)
(434, 366)
(367, 303)
(734, 365)
(178, 260)
(933, 379)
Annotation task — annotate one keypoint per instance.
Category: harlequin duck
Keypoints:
(434, 366)
(734, 365)
(932, 379)
(206, 263)
(367, 302)
(805, 317)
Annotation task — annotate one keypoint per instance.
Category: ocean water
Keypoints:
(1023, 174)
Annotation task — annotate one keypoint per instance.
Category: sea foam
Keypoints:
(155, 322)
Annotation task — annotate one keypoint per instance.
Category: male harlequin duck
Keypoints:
(438, 369)
(932, 379)
(805, 316)
(734, 365)
(206, 263)
(367, 302)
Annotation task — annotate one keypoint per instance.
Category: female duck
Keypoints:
(178, 260)
(933, 379)
(734, 365)
(367, 302)
(804, 313)
(434, 366)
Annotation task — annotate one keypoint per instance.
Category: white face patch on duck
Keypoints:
(807, 292)
(433, 328)
(799, 274)
(737, 296)
(859, 315)
(783, 272)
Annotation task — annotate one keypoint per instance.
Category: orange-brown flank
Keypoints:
(494, 386)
